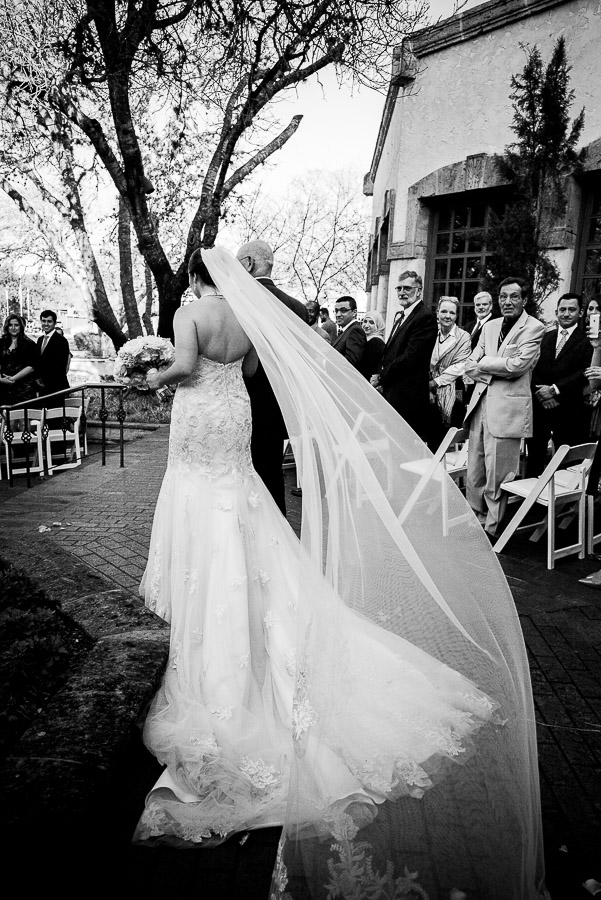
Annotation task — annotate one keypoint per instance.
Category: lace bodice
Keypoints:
(211, 420)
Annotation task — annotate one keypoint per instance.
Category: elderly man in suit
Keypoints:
(404, 378)
(351, 340)
(483, 311)
(558, 383)
(53, 355)
(268, 428)
(499, 414)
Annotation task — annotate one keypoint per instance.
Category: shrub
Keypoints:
(140, 406)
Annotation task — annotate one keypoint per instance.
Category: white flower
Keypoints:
(238, 581)
(273, 542)
(224, 505)
(244, 661)
(206, 744)
(223, 712)
(254, 499)
(219, 611)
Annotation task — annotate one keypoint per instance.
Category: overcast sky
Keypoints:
(340, 125)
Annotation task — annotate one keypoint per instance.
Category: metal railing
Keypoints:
(29, 435)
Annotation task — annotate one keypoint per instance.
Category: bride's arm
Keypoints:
(186, 352)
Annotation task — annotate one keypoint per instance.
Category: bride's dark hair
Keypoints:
(197, 267)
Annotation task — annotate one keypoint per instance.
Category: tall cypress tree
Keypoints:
(535, 165)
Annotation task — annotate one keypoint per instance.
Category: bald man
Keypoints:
(268, 428)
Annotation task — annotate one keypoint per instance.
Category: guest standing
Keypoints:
(351, 340)
(449, 356)
(500, 411)
(558, 383)
(404, 376)
(17, 362)
(53, 356)
(374, 327)
(327, 324)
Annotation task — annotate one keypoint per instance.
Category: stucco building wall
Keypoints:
(448, 110)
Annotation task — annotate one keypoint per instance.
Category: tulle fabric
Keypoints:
(227, 571)
(404, 551)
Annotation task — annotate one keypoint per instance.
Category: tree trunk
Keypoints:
(132, 317)
(147, 314)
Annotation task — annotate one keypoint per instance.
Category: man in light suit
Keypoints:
(499, 414)
(351, 340)
(404, 378)
(558, 386)
(268, 427)
(53, 356)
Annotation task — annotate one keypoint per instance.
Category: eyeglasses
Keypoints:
(402, 288)
(344, 309)
(513, 297)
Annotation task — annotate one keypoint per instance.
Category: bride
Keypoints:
(367, 688)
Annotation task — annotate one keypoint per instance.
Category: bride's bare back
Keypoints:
(207, 327)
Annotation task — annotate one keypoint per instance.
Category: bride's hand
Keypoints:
(153, 379)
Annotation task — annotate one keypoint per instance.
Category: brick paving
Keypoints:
(100, 517)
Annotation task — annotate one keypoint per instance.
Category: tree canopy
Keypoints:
(122, 72)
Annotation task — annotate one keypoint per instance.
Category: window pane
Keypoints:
(470, 290)
(458, 243)
(475, 242)
(456, 289)
(472, 267)
(440, 270)
(444, 220)
(442, 243)
(477, 215)
(438, 291)
(460, 218)
(595, 232)
(456, 269)
(592, 265)
(596, 210)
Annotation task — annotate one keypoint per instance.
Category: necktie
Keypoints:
(505, 327)
(45, 342)
(398, 321)
(561, 343)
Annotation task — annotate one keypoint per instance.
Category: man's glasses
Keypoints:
(403, 289)
(344, 309)
(513, 297)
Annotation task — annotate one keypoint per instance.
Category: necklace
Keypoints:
(212, 294)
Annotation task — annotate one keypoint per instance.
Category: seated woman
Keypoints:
(373, 326)
(449, 356)
(17, 362)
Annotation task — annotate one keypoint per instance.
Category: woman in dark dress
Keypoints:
(17, 362)
(373, 326)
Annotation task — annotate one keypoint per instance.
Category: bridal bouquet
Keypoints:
(136, 357)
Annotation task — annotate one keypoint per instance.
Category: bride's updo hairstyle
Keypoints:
(197, 268)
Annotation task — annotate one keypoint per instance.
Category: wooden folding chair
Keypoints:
(445, 462)
(557, 490)
(62, 432)
(24, 428)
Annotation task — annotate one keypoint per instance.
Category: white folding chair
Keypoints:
(557, 490)
(83, 431)
(23, 438)
(62, 433)
(450, 459)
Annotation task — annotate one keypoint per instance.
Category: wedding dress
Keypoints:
(348, 687)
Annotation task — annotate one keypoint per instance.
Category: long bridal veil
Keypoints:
(396, 540)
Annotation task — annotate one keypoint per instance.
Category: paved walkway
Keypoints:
(101, 516)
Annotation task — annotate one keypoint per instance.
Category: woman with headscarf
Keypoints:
(373, 326)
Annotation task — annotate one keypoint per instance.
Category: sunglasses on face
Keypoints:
(345, 310)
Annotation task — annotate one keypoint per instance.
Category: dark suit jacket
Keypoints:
(268, 426)
(51, 365)
(405, 373)
(567, 370)
(351, 343)
(470, 327)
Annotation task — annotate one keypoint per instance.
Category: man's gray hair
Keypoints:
(483, 295)
(409, 273)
